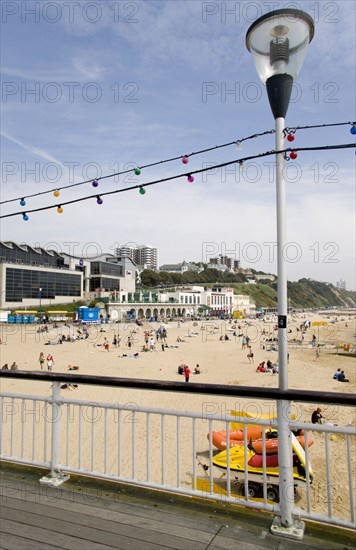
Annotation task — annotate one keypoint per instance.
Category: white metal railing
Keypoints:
(144, 446)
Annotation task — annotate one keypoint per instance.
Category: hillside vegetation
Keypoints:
(305, 293)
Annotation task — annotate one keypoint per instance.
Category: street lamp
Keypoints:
(40, 315)
(278, 42)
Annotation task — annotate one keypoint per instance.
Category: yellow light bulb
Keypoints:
(59, 210)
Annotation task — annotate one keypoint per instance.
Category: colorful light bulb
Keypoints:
(137, 171)
(99, 200)
(290, 137)
(185, 159)
(293, 155)
(238, 145)
(25, 217)
(142, 191)
(190, 178)
(22, 202)
(60, 210)
(95, 183)
(353, 130)
(56, 193)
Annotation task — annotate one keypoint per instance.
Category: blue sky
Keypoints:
(90, 87)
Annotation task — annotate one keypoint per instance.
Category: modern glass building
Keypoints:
(62, 278)
(25, 283)
(24, 270)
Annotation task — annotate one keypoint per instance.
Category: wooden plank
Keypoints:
(195, 531)
(43, 535)
(175, 514)
(229, 544)
(260, 537)
(95, 529)
(14, 542)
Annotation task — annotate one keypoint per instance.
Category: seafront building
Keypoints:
(28, 274)
(182, 302)
(34, 276)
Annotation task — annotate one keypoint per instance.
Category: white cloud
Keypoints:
(32, 149)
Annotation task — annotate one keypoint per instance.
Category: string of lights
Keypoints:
(137, 170)
(292, 129)
(289, 132)
(188, 175)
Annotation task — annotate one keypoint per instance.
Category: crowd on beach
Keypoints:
(156, 340)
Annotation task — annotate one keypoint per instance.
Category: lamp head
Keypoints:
(279, 41)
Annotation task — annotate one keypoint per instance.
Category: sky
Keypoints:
(93, 88)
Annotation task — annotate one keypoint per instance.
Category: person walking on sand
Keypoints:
(41, 360)
(250, 355)
(50, 361)
(187, 373)
(317, 352)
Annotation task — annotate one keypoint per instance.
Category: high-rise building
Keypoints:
(143, 255)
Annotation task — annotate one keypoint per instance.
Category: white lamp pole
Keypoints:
(40, 316)
(278, 42)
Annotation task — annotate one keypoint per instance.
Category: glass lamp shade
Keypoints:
(279, 41)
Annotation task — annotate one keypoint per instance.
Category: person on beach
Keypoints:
(197, 370)
(152, 344)
(14, 366)
(342, 377)
(41, 360)
(50, 361)
(106, 345)
(250, 356)
(5, 367)
(317, 416)
(187, 373)
(261, 367)
(317, 352)
(336, 374)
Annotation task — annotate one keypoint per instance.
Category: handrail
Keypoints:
(346, 399)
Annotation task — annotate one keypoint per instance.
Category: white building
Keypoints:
(244, 303)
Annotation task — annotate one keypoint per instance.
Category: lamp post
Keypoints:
(278, 42)
(40, 315)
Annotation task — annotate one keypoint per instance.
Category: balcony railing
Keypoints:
(173, 450)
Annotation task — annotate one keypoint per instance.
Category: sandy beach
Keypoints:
(221, 362)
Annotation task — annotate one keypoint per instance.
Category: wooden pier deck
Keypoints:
(87, 514)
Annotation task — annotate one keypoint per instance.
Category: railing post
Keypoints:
(285, 524)
(55, 477)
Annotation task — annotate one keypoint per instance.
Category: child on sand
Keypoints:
(50, 361)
